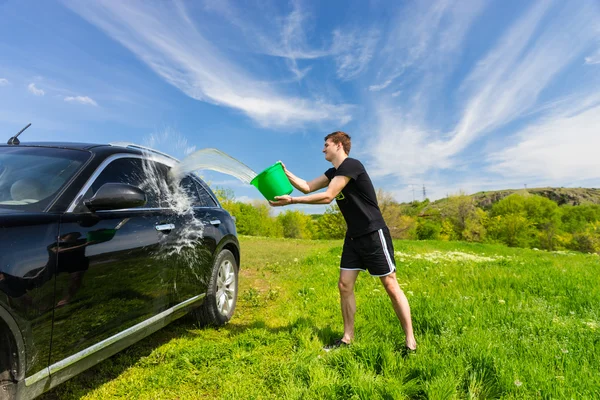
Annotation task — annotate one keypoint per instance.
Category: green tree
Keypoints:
(458, 210)
(575, 218)
(332, 224)
(588, 240)
(428, 229)
(296, 224)
(545, 217)
(475, 230)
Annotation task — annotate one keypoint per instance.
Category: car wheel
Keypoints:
(222, 291)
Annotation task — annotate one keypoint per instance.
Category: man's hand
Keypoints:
(281, 201)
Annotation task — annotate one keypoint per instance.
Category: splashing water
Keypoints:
(170, 195)
(184, 240)
(214, 160)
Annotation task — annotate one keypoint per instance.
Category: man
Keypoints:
(368, 244)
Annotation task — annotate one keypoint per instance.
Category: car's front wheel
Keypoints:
(221, 295)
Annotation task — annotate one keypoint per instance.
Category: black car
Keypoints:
(100, 246)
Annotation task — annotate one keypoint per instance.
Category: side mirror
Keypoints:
(115, 196)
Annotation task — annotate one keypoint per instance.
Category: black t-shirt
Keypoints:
(357, 200)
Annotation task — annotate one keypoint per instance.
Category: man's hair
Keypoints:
(338, 137)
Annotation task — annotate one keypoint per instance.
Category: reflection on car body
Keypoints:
(92, 259)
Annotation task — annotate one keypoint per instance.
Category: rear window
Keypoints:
(31, 177)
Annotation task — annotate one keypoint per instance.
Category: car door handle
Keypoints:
(215, 222)
(165, 227)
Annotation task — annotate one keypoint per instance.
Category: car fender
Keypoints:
(230, 242)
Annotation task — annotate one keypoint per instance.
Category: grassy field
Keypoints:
(490, 321)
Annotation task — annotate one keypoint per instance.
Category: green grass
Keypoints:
(510, 324)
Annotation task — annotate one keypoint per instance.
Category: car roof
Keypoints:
(116, 147)
(61, 145)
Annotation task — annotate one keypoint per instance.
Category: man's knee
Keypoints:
(345, 287)
(390, 283)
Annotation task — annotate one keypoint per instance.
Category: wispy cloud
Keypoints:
(503, 87)
(32, 89)
(187, 60)
(376, 88)
(508, 81)
(593, 59)
(81, 100)
(421, 39)
(353, 51)
(4, 82)
(425, 35)
(561, 146)
(294, 41)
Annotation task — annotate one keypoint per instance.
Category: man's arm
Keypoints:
(304, 186)
(326, 197)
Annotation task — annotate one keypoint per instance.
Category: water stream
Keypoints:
(214, 160)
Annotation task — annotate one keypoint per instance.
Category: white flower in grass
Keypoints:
(410, 292)
(501, 301)
(518, 382)
(565, 351)
(572, 312)
(295, 260)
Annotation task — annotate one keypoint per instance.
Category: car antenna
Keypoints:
(14, 140)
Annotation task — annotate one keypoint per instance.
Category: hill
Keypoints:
(571, 196)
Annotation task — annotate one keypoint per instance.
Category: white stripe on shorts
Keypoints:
(386, 252)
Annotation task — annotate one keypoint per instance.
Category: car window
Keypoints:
(197, 194)
(143, 174)
(31, 177)
(203, 191)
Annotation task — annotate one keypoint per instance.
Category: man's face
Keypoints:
(330, 149)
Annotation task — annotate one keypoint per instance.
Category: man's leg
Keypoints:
(348, 302)
(401, 307)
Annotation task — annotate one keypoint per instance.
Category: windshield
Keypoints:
(31, 177)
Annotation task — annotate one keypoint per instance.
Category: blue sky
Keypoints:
(453, 95)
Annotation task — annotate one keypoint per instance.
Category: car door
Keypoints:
(194, 263)
(111, 274)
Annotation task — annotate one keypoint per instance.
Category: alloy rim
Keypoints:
(225, 287)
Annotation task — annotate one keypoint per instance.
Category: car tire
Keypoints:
(8, 366)
(221, 296)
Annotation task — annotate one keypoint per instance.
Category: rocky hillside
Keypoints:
(572, 196)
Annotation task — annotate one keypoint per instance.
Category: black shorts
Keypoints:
(373, 252)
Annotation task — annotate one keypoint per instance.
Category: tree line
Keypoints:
(519, 220)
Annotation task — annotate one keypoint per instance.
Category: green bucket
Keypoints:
(273, 182)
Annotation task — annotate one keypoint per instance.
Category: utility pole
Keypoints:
(424, 193)
(413, 190)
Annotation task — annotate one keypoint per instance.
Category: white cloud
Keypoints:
(560, 148)
(507, 83)
(503, 87)
(189, 61)
(376, 88)
(353, 51)
(81, 100)
(425, 36)
(38, 92)
(293, 41)
(593, 59)
(4, 82)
